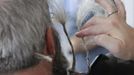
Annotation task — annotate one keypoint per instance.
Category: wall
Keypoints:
(129, 5)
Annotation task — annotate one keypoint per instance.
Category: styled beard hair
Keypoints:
(22, 32)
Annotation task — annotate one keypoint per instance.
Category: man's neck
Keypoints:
(43, 68)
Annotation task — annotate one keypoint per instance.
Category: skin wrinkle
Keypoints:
(22, 26)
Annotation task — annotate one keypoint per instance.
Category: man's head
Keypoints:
(22, 32)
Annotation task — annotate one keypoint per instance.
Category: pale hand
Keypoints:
(111, 32)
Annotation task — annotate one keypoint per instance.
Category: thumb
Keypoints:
(108, 42)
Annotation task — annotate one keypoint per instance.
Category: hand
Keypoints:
(111, 32)
(78, 44)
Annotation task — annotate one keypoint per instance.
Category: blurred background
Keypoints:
(129, 5)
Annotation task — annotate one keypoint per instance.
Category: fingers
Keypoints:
(108, 42)
(121, 8)
(95, 26)
(93, 21)
(79, 45)
(112, 6)
(93, 30)
(108, 5)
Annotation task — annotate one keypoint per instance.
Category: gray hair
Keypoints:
(22, 32)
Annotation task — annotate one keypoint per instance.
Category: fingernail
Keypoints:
(79, 34)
